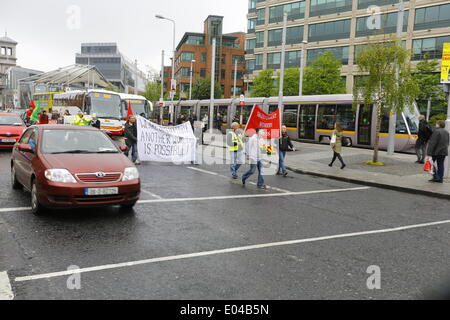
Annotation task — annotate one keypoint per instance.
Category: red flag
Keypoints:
(130, 111)
(32, 105)
(271, 123)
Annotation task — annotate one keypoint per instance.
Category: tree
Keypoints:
(323, 76)
(291, 81)
(428, 81)
(263, 84)
(379, 61)
(153, 91)
(201, 90)
(112, 87)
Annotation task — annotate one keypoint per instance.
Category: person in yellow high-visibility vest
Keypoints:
(80, 120)
(235, 142)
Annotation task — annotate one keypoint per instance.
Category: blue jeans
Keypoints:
(281, 163)
(236, 162)
(252, 170)
(134, 151)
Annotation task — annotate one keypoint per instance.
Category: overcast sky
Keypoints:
(49, 34)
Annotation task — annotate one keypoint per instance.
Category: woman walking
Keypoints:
(336, 145)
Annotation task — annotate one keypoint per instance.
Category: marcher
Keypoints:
(95, 122)
(424, 134)
(131, 139)
(438, 150)
(219, 121)
(67, 113)
(285, 146)
(255, 155)
(179, 119)
(55, 115)
(43, 117)
(80, 120)
(337, 145)
(235, 142)
(29, 113)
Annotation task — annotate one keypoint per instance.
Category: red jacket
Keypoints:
(43, 119)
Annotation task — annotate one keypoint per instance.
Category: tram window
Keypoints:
(401, 125)
(272, 109)
(327, 117)
(204, 111)
(346, 116)
(290, 116)
(223, 110)
(246, 111)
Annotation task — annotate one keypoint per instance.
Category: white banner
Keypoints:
(165, 144)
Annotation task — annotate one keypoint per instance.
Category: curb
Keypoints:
(373, 184)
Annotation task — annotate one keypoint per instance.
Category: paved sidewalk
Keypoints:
(400, 172)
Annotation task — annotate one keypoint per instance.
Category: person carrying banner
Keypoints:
(235, 142)
(255, 155)
(131, 139)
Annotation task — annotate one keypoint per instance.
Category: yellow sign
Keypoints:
(445, 72)
(107, 96)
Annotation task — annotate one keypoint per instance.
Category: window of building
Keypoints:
(364, 4)
(323, 7)
(9, 51)
(251, 25)
(203, 73)
(3, 51)
(258, 61)
(340, 53)
(295, 11)
(250, 45)
(432, 17)
(187, 56)
(185, 72)
(261, 17)
(431, 46)
(195, 40)
(224, 59)
(223, 74)
(251, 5)
(239, 75)
(203, 57)
(239, 59)
(330, 30)
(229, 43)
(388, 24)
(275, 37)
(185, 87)
(250, 65)
(238, 91)
(259, 40)
(274, 60)
(293, 59)
(294, 35)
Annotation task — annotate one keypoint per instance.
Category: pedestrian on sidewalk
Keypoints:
(255, 155)
(131, 139)
(285, 146)
(336, 145)
(235, 142)
(438, 150)
(424, 136)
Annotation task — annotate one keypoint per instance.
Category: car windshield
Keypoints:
(105, 106)
(76, 141)
(10, 120)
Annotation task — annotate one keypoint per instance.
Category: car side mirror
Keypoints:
(123, 148)
(25, 148)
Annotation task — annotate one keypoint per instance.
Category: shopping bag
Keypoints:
(428, 166)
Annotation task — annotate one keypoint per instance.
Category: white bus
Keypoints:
(105, 104)
(139, 104)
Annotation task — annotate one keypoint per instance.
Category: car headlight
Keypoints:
(59, 175)
(131, 173)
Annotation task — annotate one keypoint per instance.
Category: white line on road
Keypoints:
(203, 171)
(250, 196)
(151, 194)
(225, 251)
(5, 287)
(15, 209)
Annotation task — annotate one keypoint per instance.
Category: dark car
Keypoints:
(72, 166)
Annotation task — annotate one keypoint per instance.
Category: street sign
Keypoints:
(173, 85)
(242, 100)
(162, 104)
(445, 71)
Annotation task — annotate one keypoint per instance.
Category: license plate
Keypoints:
(101, 191)
(8, 140)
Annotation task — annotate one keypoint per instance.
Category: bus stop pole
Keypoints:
(447, 126)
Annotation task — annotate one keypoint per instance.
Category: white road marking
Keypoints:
(5, 287)
(225, 177)
(15, 209)
(250, 196)
(151, 194)
(225, 251)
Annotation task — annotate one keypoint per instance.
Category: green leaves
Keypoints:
(263, 85)
(153, 91)
(201, 89)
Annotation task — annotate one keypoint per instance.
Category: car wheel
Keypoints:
(127, 207)
(36, 207)
(14, 183)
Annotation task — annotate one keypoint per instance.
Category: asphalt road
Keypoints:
(334, 238)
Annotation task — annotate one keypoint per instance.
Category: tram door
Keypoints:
(365, 124)
(307, 122)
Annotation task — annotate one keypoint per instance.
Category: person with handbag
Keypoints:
(336, 145)
(438, 150)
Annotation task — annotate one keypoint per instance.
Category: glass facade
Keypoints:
(274, 60)
(431, 46)
(293, 59)
(259, 40)
(329, 30)
(294, 35)
(261, 19)
(340, 53)
(251, 25)
(195, 40)
(323, 7)
(258, 61)
(432, 17)
(250, 46)
(187, 56)
(363, 4)
(295, 11)
(388, 24)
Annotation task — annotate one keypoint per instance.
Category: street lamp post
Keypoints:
(173, 63)
(190, 80)
(302, 67)
(283, 57)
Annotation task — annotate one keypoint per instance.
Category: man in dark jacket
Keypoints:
(438, 149)
(285, 146)
(424, 134)
(131, 139)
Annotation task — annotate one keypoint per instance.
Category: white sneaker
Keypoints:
(138, 163)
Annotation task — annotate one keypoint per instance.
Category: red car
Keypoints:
(71, 166)
(11, 128)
